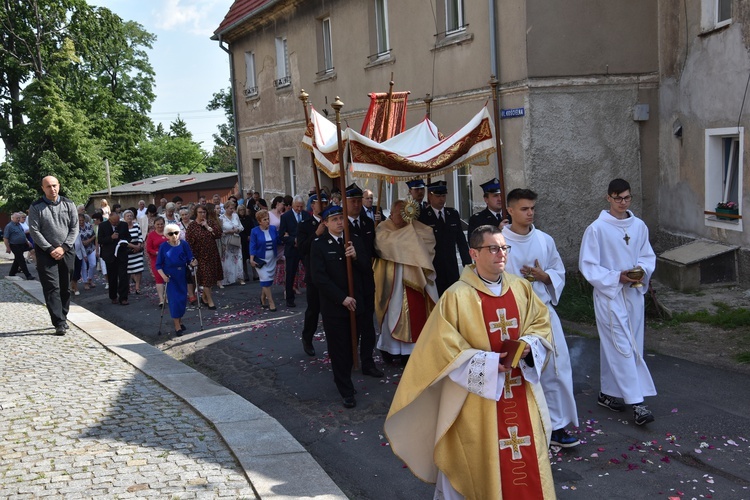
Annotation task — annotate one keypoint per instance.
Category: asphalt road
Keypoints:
(697, 448)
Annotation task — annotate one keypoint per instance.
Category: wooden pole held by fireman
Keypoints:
(337, 105)
(494, 82)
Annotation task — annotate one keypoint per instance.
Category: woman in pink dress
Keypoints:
(153, 241)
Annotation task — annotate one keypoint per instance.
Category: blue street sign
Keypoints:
(512, 113)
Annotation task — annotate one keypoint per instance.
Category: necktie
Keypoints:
(440, 217)
(299, 218)
(340, 240)
(499, 217)
(356, 225)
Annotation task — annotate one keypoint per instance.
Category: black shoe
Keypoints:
(65, 325)
(30, 277)
(350, 402)
(309, 349)
(372, 371)
(178, 333)
(387, 357)
(290, 304)
(60, 330)
(642, 415)
(610, 402)
(212, 308)
(182, 327)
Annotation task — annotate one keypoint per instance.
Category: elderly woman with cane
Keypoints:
(173, 257)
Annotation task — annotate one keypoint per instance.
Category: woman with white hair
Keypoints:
(173, 258)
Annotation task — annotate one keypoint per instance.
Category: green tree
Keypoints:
(75, 87)
(178, 128)
(224, 154)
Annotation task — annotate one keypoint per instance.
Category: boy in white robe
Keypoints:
(614, 244)
(535, 258)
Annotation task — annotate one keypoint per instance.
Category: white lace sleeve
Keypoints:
(539, 352)
(479, 375)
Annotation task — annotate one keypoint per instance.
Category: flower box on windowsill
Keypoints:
(727, 211)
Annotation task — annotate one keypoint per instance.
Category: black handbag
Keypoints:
(259, 263)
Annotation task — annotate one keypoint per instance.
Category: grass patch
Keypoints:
(726, 317)
(743, 358)
(577, 300)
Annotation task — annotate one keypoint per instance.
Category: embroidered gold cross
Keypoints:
(502, 324)
(510, 383)
(514, 442)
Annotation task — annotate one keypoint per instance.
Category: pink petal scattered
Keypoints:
(674, 410)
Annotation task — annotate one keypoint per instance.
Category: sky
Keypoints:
(189, 66)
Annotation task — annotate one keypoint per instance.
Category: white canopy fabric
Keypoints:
(415, 153)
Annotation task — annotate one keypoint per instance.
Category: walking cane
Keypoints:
(198, 295)
(163, 304)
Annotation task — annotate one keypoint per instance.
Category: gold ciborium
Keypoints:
(636, 274)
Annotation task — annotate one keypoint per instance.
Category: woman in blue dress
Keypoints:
(173, 257)
(264, 252)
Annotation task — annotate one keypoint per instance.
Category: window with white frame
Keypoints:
(251, 87)
(715, 14)
(723, 11)
(290, 174)
(454, 16)
(326, 46)
(283, 78)
(723, 176)
(381, 27)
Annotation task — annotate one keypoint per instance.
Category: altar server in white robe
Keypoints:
(535, 258)
(614, 244)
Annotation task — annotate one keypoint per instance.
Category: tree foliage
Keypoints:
(75, 87)
(224, 154)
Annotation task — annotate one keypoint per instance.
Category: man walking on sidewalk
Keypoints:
(16, 242)
(53, 225)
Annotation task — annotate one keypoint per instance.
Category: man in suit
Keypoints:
(369, 209)
(307, 231)
(493, 214)
(290, 221)
(362, 226)
(113, 238)
(416, 191)
(449, 235)
(328, 255)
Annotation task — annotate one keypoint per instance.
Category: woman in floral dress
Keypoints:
(231, 258)
(202, 235)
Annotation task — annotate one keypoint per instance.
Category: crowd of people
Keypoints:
(487, 385)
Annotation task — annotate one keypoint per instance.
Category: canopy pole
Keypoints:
(303, 96)
(494, 82)
(428, 105)
(337, 105)
(387, 136)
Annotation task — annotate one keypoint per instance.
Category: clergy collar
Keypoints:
(488, 282)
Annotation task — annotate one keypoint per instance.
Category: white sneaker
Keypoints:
(106, 286)
(77, 292)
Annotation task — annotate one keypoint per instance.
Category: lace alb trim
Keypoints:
(476, 373)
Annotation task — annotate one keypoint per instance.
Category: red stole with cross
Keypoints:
(519, 469)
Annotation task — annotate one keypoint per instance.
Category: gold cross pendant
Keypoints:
(627, 239)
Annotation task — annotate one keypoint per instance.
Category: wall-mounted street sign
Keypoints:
(512, 113)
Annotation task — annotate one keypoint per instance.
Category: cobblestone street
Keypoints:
(76, 420)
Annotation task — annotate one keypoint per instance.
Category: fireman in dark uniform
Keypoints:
(493, 214)
(449, 235)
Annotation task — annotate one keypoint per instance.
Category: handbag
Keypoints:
(259, 263)
(233, 240)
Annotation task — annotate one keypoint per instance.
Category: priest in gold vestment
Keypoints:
(459, 418)
(405, 291)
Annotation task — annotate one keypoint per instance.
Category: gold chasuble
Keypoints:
(486, 449)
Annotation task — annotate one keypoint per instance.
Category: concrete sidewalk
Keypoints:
(76, 420)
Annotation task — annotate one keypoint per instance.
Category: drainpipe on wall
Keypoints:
(494, 62)
(234, 113)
